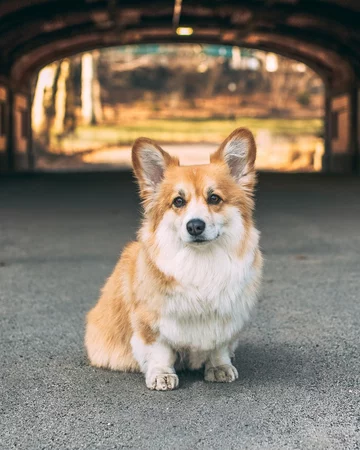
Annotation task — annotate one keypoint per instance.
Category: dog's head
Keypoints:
(197, 205)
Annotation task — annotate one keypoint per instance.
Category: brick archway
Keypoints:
(323, 34)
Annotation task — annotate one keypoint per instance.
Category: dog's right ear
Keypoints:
(238, 151)
(149, 162)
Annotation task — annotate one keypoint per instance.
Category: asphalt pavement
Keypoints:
(298, 360)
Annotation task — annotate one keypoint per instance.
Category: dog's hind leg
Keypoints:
(105, 351)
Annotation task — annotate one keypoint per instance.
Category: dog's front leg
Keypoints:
(156, 361)
(218, 367)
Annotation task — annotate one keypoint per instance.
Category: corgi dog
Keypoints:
(182, 292)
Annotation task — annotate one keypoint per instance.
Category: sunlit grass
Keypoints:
(194, 130)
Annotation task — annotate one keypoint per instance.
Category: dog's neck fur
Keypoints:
(192, 263)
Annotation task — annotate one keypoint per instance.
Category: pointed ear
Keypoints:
(238, 151)
(149, 162)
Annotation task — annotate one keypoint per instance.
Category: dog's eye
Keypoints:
(214, 199)
(178, 202)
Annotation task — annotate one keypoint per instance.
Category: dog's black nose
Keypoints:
(195, 227)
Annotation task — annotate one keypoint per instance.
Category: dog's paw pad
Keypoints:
(163, 382)
(221, 374)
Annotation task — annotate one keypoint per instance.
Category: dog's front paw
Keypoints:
(221, 374)
(162, 382)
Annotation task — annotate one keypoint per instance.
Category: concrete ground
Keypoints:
(298, 360)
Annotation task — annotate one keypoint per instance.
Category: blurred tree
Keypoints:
(42, 107)
(87, 101)
(60, 99)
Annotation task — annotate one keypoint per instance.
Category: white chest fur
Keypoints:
(213, 299)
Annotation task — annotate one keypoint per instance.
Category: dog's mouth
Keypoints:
(200, 241)
(203, 241)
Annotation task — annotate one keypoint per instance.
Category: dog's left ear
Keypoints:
(238, 151)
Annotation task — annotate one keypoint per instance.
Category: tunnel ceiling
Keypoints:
(325, 34)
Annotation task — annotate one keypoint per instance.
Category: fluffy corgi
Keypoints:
(183, 291)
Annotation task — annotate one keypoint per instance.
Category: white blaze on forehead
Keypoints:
(196, 210)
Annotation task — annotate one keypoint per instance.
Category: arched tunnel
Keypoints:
(61, 234)
(323, 34)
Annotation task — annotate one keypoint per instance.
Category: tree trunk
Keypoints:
(44, 83)
(90, 89)
(214, 74)
(70, 114)
(87, 108)
(60, 99)
(96, 91)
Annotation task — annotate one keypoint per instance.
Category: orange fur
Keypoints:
(126, 294)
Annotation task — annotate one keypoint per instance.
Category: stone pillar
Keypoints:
(15, 129)
(326, 159)
(357, 129)
(341, 156)
(4, 127)
(21, 142)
